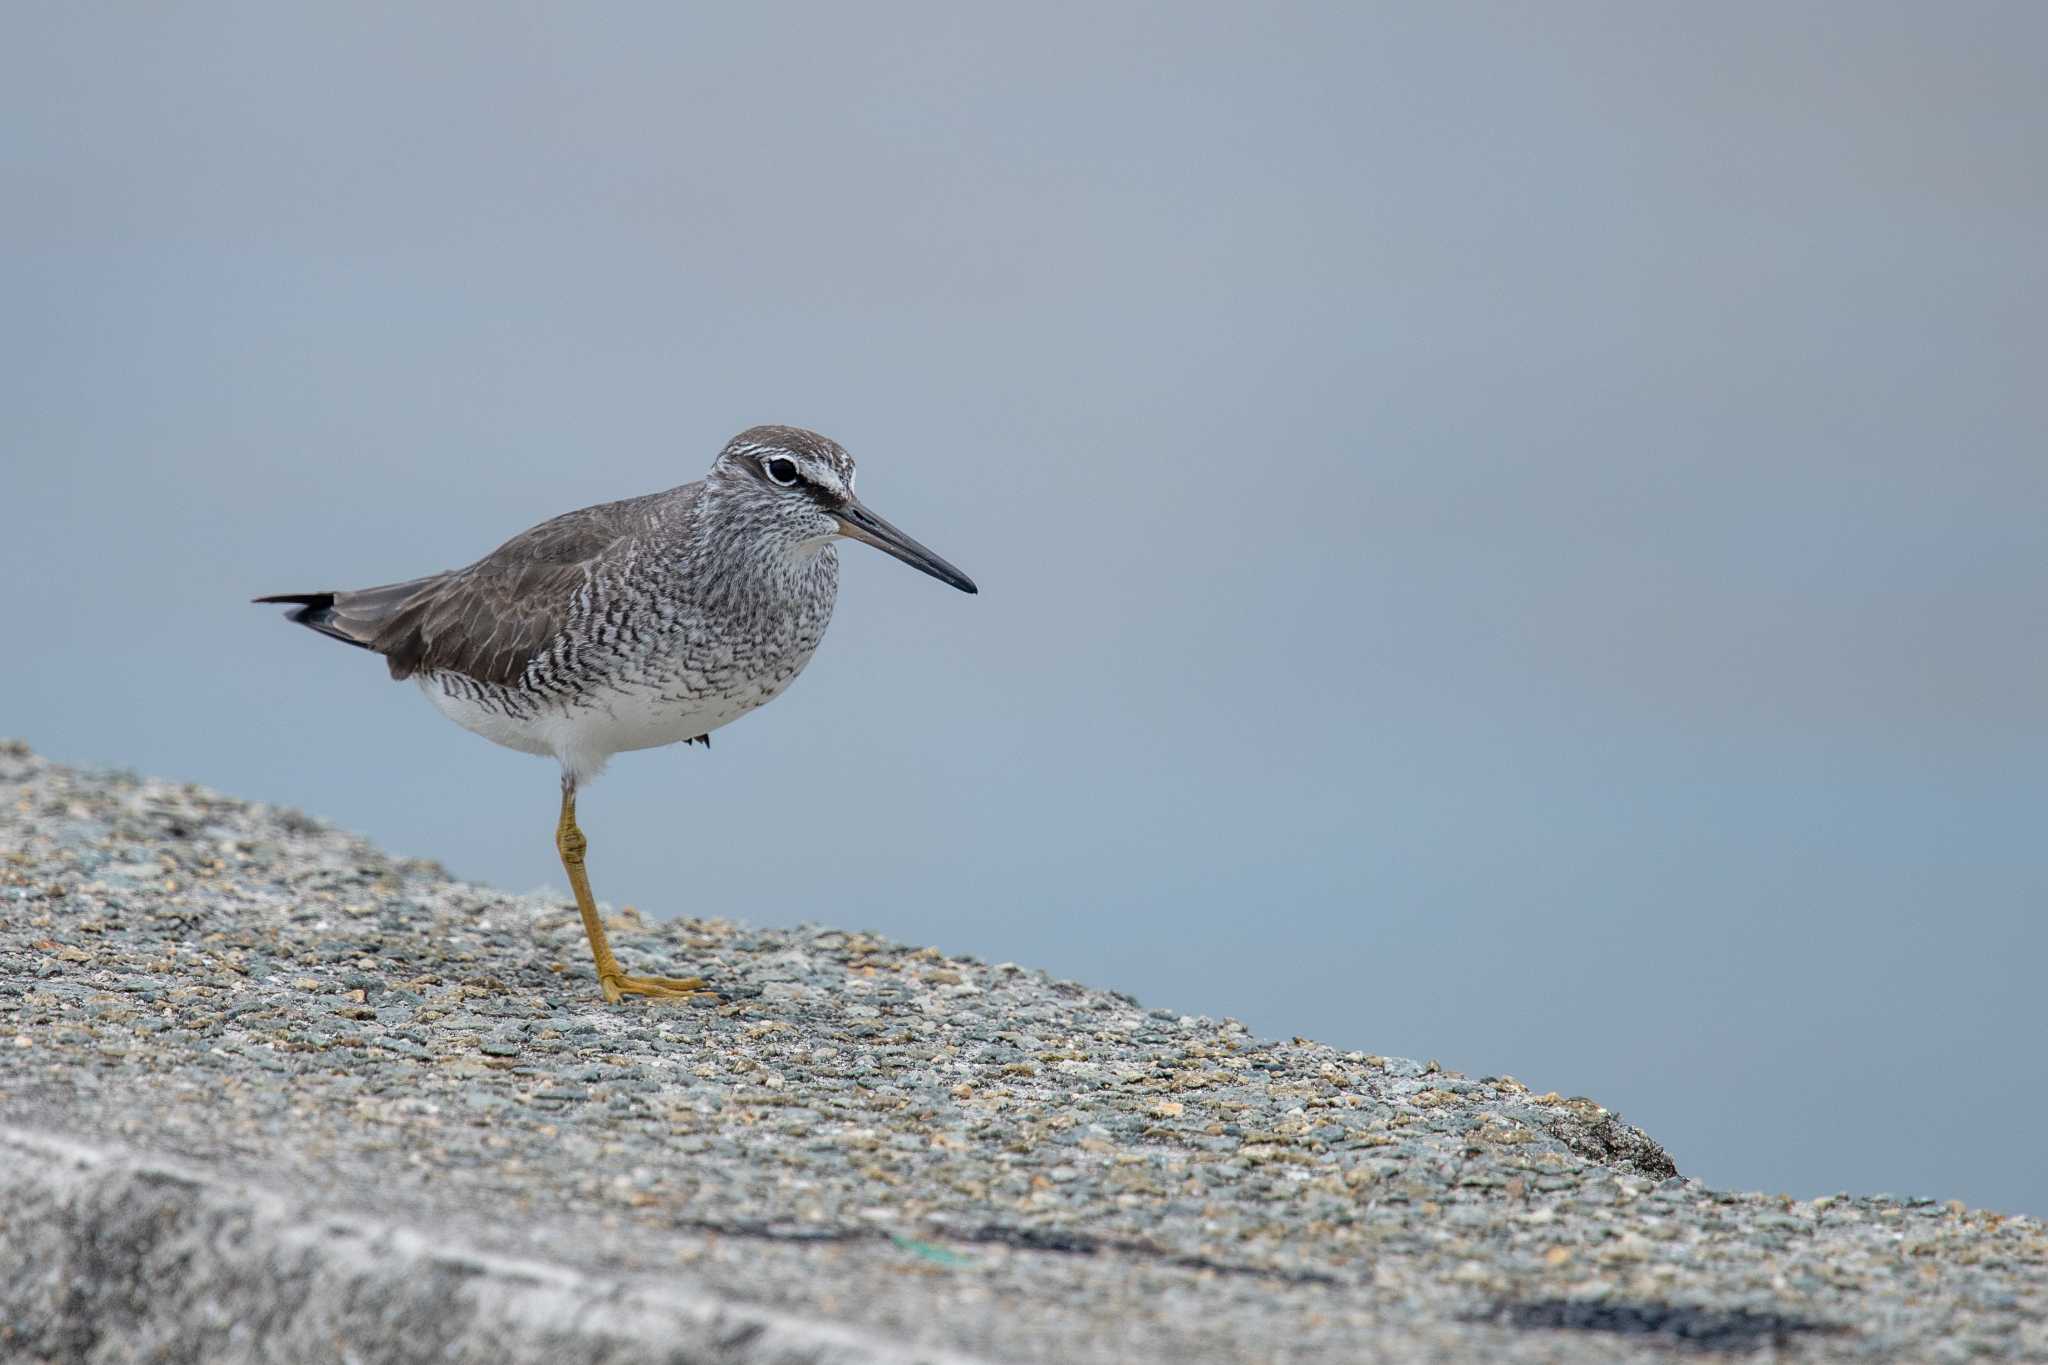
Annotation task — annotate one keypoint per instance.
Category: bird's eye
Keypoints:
(780, 470)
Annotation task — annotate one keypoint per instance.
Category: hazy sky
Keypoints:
(1507, 534)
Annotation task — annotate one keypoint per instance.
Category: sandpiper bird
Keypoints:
(631, 624)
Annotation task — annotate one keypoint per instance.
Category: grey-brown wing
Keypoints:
(490, 620)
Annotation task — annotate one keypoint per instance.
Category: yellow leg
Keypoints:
(615, 984)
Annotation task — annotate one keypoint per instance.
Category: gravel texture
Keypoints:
(268, 1093)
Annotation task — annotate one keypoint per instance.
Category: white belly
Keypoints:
(583, 736)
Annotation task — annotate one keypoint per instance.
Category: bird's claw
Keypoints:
(617, 986)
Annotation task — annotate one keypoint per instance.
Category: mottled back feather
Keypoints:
(490, 620)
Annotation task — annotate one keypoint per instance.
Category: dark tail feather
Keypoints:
(355, 617)
(316, 612)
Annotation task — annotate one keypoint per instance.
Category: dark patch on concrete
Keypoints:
(1670, 1324)
(1046, 1240)
(1086, 1244)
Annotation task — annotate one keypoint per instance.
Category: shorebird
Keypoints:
(631, 624)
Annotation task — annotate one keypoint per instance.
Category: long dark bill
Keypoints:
(861, 524)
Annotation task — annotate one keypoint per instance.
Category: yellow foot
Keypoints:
(618, 986)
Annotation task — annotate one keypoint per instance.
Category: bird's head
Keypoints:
(801, 484)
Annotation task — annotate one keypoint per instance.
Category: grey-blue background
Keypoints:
(1508, 534)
